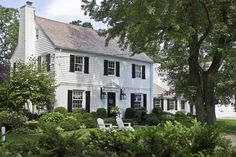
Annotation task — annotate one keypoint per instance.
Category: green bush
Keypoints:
(101, 113)
(90, 122)
(157, 110)
(180, 114)
(11, 120)
(110, 120)
(61, 110)
(69, 123)
(140, 114)
(152, 119)
(30, 115)
(129, 113)
(80, 110)
(51, 117)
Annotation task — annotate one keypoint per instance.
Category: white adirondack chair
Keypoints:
(122, 125)
(102, 126)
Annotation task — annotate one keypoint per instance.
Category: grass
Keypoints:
(228, 126)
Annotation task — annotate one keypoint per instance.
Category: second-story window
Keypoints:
(78, 63)
(138, 71)
(111, 68)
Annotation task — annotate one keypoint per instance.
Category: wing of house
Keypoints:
(88, 74)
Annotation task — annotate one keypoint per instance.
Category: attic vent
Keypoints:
(29, 3)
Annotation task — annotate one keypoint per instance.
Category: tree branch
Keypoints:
(208, 29)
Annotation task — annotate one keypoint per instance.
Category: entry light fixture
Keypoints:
(122, 95)
(103, 94)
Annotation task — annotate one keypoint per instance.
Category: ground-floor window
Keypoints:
(77, 99)
(157, 103)
(171, 104)
(137, 101)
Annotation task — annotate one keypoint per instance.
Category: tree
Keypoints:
(26, 83)
(9, 25)
(194, 40)
(84, 24)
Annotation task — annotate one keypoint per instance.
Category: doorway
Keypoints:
(111, 102)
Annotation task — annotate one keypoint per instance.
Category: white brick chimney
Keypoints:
(27, 33)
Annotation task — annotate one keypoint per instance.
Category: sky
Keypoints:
(60, 10)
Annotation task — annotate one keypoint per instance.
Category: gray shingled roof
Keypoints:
(67, 36)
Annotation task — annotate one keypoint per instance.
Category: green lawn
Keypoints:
(228, 126)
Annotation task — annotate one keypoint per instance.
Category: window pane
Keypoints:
(111, 68)
(77, 99)
(78, 63)
(138, 71)
(171, 104)
(157, 103)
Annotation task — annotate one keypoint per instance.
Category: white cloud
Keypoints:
(66, 11)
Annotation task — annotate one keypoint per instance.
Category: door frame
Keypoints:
(109, 105)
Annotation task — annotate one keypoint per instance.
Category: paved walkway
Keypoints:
(232, 138)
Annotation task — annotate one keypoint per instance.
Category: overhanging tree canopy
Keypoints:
(197, 38)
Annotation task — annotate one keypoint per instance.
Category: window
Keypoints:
(182, 105)
(77, 99)
(157, 103)
(111, 68)
(137, 101)
(78, 63)
(138, 71)
(171, 104)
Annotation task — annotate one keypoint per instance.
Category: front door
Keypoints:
(111, 102)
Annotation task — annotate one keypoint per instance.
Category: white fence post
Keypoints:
(3, 134)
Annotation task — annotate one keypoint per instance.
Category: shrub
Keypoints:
(61, 110)
(51, 117)
(90, 122)
(152, 119)
(101, 113)
(30, 115)
(11, 120)
(157, 110)
(70, 123)
(140, 114)
(80, 110)
(60, 144)
(180, 114)
(110, 120)
(129, 113)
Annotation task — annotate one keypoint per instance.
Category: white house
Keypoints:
(88, 74)
(162, 96)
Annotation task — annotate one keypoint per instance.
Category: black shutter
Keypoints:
(145, 101)
(105, 67)
(69, 104)
(39, 63)
(133, 70)
(88, 101)
(121, 94)
(48, 62)
(143, 72)
(72, 63)
(168, 104)
(191, 109)
(132, 100)
(162, 104)
(86, 65)
(118, 69)
(176, 105)
(101, 92)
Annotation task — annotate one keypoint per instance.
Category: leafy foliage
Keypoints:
(84, 24)
(12, 120)
(101, 113)
(26, 83)
(194, 41)
(9, 25)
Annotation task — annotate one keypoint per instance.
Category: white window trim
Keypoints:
(138, 71)
(80, 99)
(157, 105)
(141, 101)
(82, 64)
(172, 100)
(114, 68)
